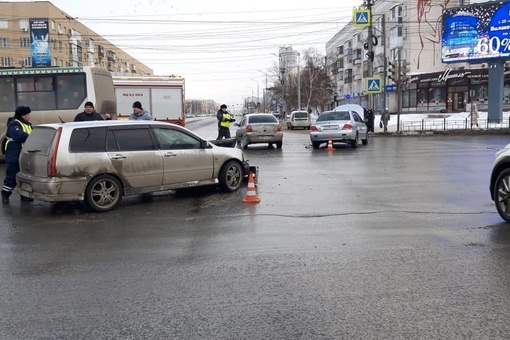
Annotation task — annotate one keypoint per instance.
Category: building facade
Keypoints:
(65, 40)
(405, 33)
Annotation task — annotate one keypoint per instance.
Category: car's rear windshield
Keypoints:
(339, 115)
(300, 114)
(40, 139)
(263, 119)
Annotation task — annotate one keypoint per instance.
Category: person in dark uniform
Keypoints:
(18, 129)
(90, 114)
(370, 118)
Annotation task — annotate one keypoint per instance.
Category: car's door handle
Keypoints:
(119, 156)
(170, 154)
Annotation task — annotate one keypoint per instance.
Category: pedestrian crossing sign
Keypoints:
(362, 18)
(374, 85)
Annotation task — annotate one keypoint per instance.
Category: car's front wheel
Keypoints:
(230, 177)
(502, 194)
(103, 193)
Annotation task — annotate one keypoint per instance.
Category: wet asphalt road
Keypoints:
(395, 240)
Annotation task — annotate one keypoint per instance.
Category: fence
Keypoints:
(444, 124)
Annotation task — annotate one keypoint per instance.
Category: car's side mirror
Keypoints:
(204, 144)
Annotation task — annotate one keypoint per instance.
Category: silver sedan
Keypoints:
(257, 128)
(340, 127)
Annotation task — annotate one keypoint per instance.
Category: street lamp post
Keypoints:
(299, 82)
(257, 89)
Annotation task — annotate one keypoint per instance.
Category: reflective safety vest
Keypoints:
(26, 128)
(227, 123)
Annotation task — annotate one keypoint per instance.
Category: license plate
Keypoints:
(330, 127)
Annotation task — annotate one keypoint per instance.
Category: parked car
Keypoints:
(299, 119)
(100, 162)
(341, 126)
(257, 128)
(499, 185)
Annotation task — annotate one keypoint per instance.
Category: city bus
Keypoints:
(54, 94)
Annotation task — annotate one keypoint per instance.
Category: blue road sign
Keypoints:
(362, 18)
(390, 88)
(373, 85)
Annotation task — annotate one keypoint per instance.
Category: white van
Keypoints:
(299, 119)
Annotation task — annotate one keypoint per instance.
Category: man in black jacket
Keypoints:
(90, 114)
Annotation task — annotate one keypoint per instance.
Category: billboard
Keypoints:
(476, 33)
(39, 43)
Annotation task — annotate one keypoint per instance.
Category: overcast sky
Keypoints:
(221, 47)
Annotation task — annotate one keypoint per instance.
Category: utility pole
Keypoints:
(399, 88)
(385, 74)
(370, 54)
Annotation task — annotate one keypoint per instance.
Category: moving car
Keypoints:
(339, 126)
(499, 185)
(299, 119)
(99, 162)
(257, 128)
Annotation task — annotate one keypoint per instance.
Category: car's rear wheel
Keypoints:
(316, 145)
(103, 193)
(279, 145)
(502, 194)
(354, 143)
(365, 141)
(230, 177)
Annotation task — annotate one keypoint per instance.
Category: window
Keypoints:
(5, 61)
(36, 92)
(88, 140)
(70, 90)
(262, 119)
(170, 139)
(7, 102)
(4, 42)
(4, 23)
(27, 61)
(52, 25)
(24, 42)
(138, 139)
(23, 24)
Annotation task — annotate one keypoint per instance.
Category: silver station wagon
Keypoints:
(99, 162)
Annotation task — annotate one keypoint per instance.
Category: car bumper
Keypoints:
(51, 189)
(264, 138)
(336, 136)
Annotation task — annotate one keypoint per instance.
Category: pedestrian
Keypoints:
(385, 117)
(473, 113)
(224, 120)
(139, 113)
(89, 114)
(18, 129)
(370, 118)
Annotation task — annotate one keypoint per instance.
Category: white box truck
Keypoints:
(162, 96)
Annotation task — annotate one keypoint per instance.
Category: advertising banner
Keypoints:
(40, 43)
(476, 33)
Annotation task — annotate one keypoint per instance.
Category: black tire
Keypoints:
(365, 141)
(502, 194)
(354, 143)
(279, 145)
(103, 193)
(231, 176)
(316, 145)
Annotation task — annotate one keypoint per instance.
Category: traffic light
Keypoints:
(404, 71)
(393, 71)
(370, 55)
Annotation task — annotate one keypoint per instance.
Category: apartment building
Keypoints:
(64, 40)
(408, 33)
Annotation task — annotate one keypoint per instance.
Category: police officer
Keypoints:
(18, 129)
(224, 120)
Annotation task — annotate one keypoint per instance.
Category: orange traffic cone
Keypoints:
(330, 145)
(251, 195)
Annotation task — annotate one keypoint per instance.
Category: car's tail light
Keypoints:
(248, 128)
(313, 128)
(279, 128)
(347, 127)
(52, 161)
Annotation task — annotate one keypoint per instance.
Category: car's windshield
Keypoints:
(339, 115)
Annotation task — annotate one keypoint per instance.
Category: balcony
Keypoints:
(396, 42)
